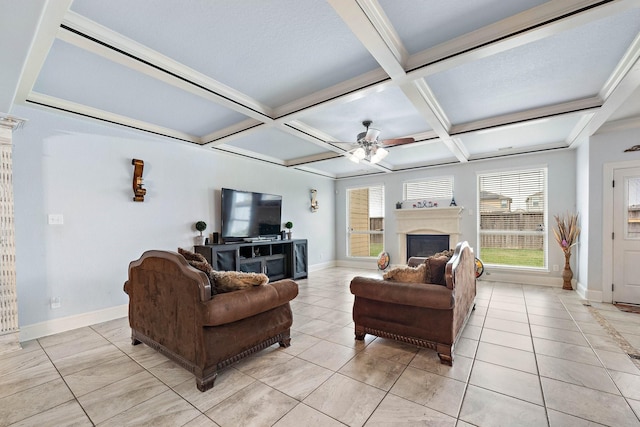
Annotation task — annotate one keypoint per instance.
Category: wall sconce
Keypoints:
(314, 203)
(138, 191)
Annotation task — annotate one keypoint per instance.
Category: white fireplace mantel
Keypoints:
(427, 221)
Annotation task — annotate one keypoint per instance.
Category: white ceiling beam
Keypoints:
(618, 96)
(624, 66)
(437, 118)
(312, 159)
(385, 29)
(423, 99)
(571, 107)
(514, 151)
(360, 24)
(228, 134)
(64, 106)
(315, 171)
(347, 91)
(45, 34)
(230, 149)
(167, 69)
(622, 124)
(457, 148)
(512, 32)
(311, 134)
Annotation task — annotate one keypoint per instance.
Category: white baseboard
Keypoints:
(589, 295)
(63, 324)
(521, 277)
(321, 266)
(367, 265)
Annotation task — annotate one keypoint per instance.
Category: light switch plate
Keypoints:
(56, 219)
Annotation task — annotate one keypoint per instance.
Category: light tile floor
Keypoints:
(529, 356)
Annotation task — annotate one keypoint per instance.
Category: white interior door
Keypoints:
(626, 241)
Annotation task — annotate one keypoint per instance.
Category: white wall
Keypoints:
(583, 200)
(603, 149)
(561, 198)
(82, 170)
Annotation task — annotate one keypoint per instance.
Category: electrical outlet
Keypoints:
(55, 302)
(56, 219)
(556, 267)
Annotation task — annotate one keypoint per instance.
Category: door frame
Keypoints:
(607, 225)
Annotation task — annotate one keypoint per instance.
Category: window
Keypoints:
(365, 221)
(512, 214)
(430, 189)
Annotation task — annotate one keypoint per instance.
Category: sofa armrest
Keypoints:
(461, 273)
(233, 306)
(411, 294)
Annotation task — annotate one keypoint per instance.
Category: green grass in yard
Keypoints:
(513, 257)
(375, 249)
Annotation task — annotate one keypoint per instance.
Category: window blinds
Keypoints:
(433, 188)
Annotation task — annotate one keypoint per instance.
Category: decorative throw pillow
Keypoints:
(437, 265)
(191, 256)
(196, 260)
(228, 281)
(407, 274)
(448, 253)
(427, 276)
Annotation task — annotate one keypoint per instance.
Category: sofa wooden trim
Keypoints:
(171, 310)
(426, 315)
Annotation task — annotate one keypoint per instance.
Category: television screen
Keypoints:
(248, 214)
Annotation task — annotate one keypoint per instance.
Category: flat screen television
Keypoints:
(247, 214)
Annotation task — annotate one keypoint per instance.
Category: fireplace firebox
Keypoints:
(424, 245)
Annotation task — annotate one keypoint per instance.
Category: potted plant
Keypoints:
(200, 226)
(288, 225)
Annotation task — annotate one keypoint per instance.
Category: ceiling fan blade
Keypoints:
(397, 141)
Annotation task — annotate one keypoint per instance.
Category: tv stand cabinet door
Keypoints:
(221, 257)
(299, 265)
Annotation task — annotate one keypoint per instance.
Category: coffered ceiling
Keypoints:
(281, 81)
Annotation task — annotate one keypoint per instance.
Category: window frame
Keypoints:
(545, 211)
(369, 232)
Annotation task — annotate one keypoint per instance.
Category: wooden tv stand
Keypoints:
(278, 259)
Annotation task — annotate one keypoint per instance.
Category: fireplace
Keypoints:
(425, 245)
(427, 221)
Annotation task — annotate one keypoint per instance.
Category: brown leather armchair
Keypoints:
(424, 314)
(172, 311)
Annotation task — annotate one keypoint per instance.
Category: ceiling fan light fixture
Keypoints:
(380, 154)
(357, 155)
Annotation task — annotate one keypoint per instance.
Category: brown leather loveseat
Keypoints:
(428, 315)
(171, 310)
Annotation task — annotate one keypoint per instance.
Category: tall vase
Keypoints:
(567, 274)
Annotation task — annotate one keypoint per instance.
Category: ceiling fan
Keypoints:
(369, 147)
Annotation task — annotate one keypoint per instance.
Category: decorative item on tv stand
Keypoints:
(200, 226)
(288, 225)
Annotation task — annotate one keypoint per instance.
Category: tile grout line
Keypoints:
(535, 358)
(65, 384)
(475, 353)
(604, 323)
(622, 342)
